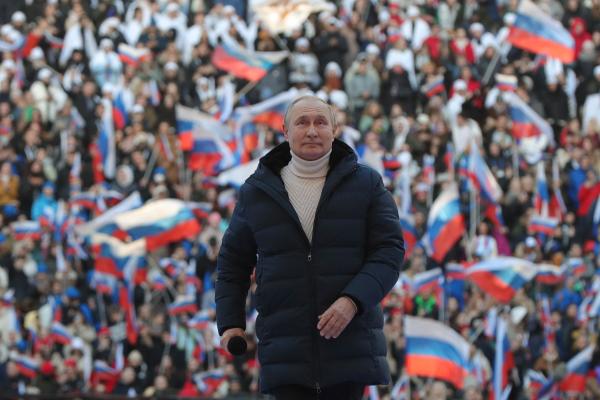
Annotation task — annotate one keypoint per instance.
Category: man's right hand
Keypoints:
(229, 333)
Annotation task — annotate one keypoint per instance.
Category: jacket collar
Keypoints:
(267, 177)
(341, 156)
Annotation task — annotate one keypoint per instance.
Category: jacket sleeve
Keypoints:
(385, 252)
(236, 259)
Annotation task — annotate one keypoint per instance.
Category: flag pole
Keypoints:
(491, 67)
(101, 308)
(248, 87)
(151, 164)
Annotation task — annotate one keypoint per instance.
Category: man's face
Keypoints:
(310, 130)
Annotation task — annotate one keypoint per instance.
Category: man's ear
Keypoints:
(285, 131)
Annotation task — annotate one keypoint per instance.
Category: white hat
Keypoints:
(372, 49)
(530, 242)
(6, 30)
(597, 70)
(324, 16)
(459, 84)
(106, 42)
(77, 344)
(302, 42)
(339, 99)
(229, 9)
(477, 27)
(172, 7)
(138, 108)
(44, 74)
(488, 40)
(333, 67)
(36, 54)
(517, 314)
(509, 18)
(423, 119)
(412, 11)
(108, 88)
(8, 64)
(171, 66)
(18, 16)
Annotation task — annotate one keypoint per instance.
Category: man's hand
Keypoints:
(336, 318)
(229, 333)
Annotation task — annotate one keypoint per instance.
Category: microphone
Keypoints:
(237, 345)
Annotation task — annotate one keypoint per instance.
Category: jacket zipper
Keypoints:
(315, 306)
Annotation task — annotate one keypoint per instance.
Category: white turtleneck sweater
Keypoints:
(304, 181)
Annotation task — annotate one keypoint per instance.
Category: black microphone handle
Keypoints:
(237, 345)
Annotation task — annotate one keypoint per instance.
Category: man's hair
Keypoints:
(309, 97)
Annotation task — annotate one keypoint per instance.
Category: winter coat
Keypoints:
(357, 250)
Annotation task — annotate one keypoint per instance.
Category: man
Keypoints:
(324, 235)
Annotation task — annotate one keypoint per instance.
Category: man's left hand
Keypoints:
(336, 318)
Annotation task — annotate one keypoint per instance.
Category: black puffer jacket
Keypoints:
(357, 250)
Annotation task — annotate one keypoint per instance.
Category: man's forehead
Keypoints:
(309, 106)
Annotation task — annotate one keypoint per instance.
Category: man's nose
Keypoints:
(312, 131)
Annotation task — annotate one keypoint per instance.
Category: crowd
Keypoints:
(415, 86)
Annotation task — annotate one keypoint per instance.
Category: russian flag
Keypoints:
(172, 266)
(545, 225)
(434, 350)
(104, 283)
(546, 319)
(534, 381)
(86, 200)
(542, 197)
(158, 223)
(7, 299)
(126, 303)
(26, 366)
(158, 282)
(428, 170)
(577, 369)
(391, 164)
(205, 138)
(576, 266)
(503, 360)
(526, 123)
(184, 305)
(132, 55)
(101, 222)
(506, 83)
(248, 134)
(401, 390)
(435, 86)
(106, 143)
(501, 277)
(445, 224)
(409, 231)
(208, 382)
(23, 230)
(103, 371)
(165, 147)
(119, 112)
(270, 112)
(549, 274)
(427, 280)
(112, 255)
(241, 63)
(456, 271)
(60, 334)
(200, 321)
(482, 177)
(537, 32)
